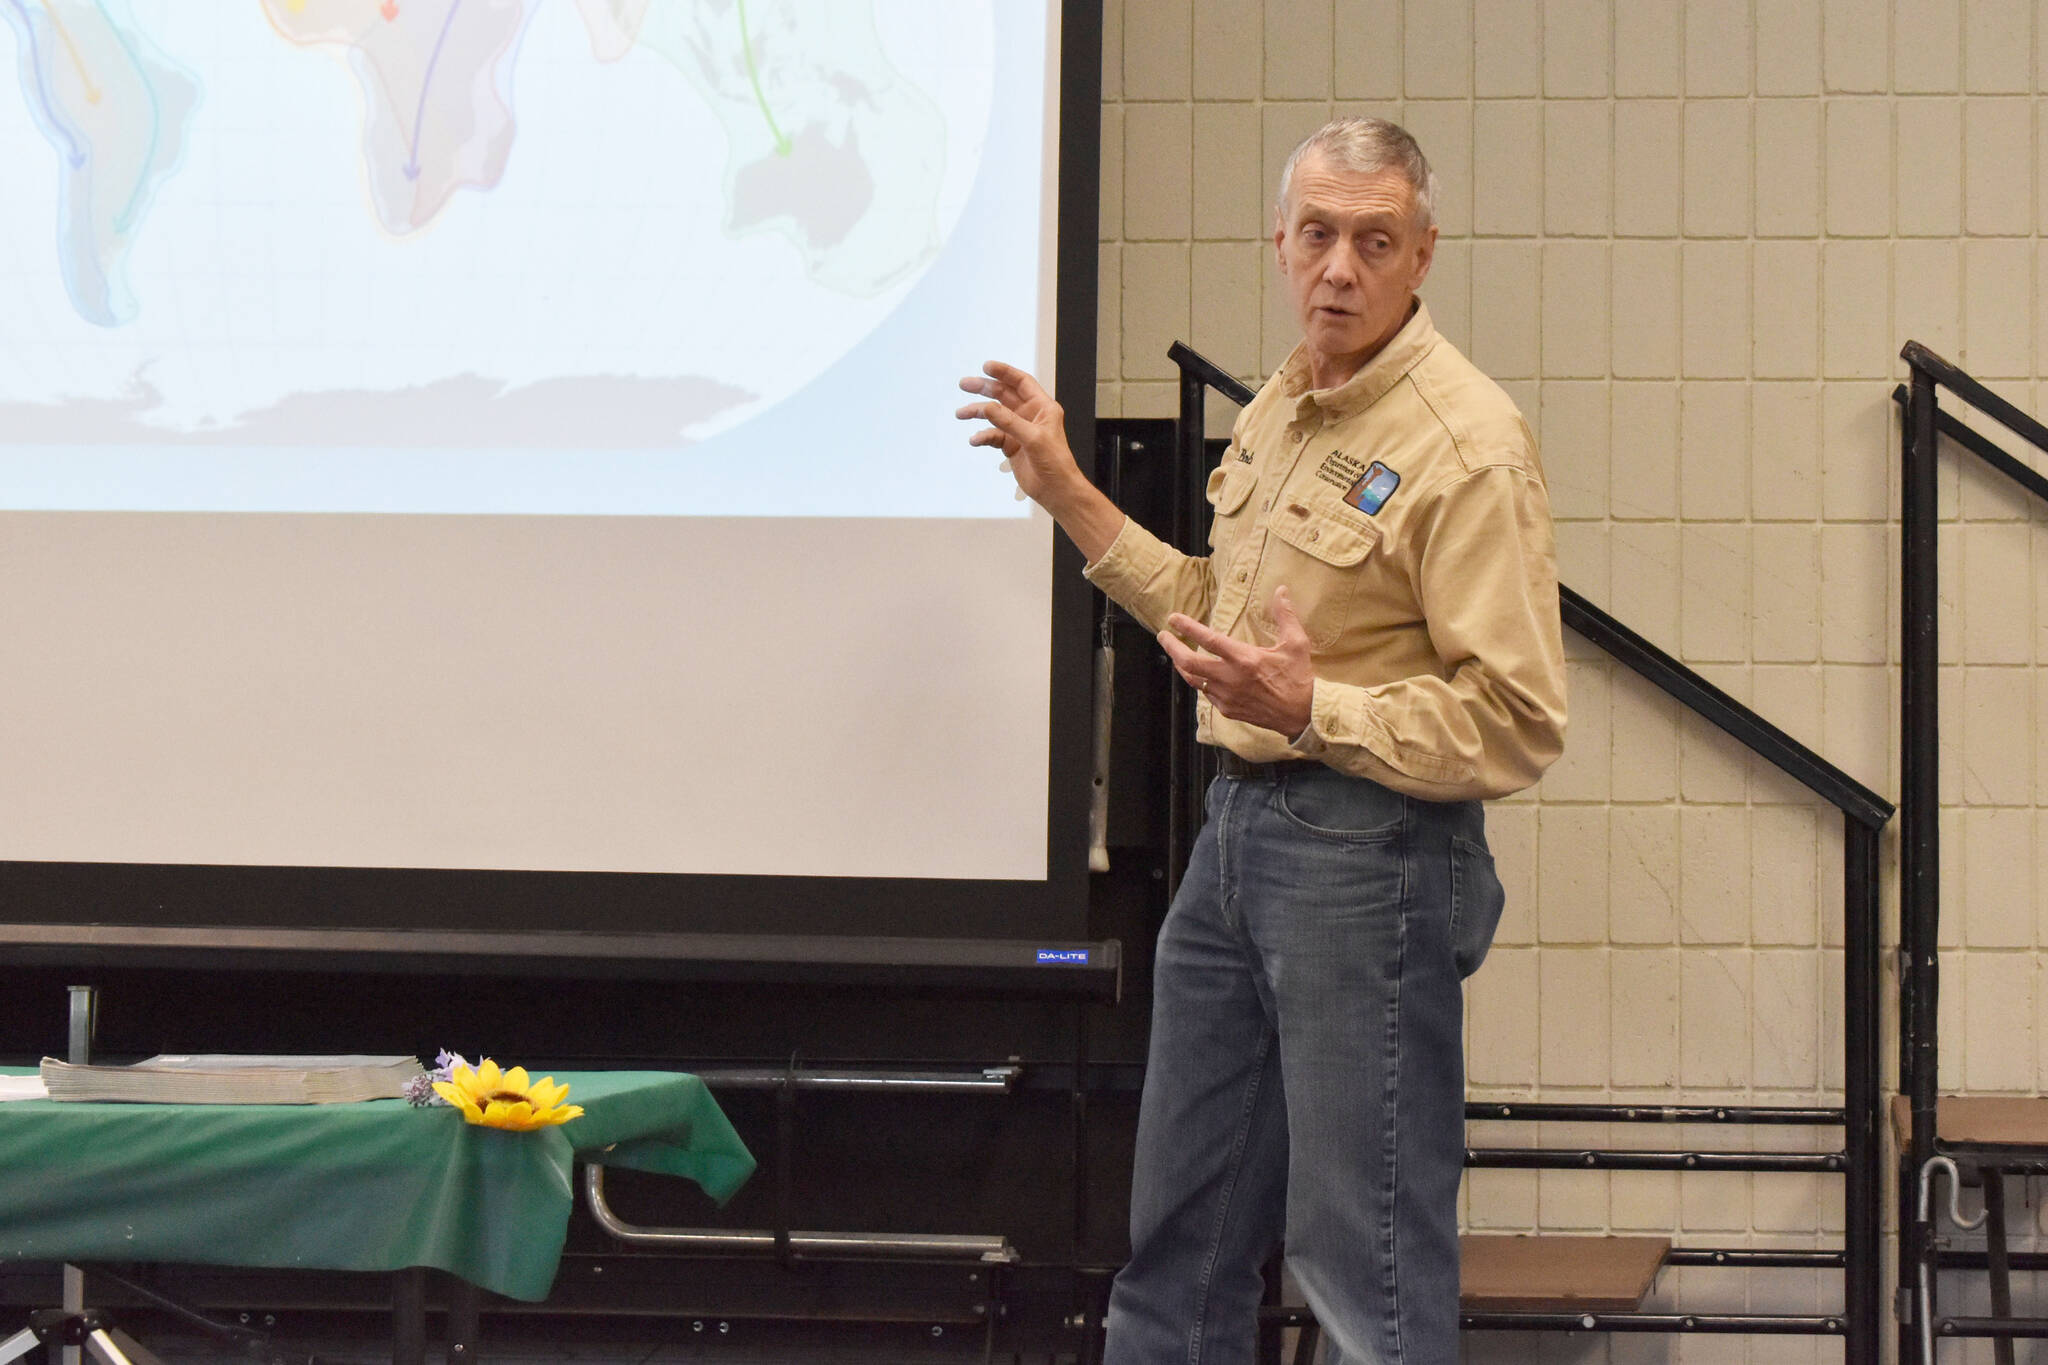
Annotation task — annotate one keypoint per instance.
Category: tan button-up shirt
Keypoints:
(1405, 513)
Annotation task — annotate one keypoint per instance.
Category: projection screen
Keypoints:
(490, 464)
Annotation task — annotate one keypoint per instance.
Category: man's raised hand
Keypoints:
(1031, 430)
(1270, 686)
(1029, 427)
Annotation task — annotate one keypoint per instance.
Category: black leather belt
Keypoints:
(1233, 766)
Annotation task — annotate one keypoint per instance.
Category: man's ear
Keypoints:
(1425, 257)
(1279, 241)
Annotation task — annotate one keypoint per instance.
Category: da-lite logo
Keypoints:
(1077, 957)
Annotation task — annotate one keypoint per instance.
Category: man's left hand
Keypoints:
(1270, 686)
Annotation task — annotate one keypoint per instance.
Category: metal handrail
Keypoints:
(1727, 1324)
(1638, 1159)
(1604, 1320)
(2021, 424)
(1980, 445)
(824, 1245)
(1532, 1111)
(1196, 365)
(883, 1081)
(726, 1242)
(1711, 704)
(1928, 1170)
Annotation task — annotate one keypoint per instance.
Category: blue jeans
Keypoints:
(1306, 1082)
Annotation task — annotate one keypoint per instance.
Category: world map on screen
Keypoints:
(485, 226)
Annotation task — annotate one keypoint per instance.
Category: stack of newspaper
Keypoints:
(234, 1079)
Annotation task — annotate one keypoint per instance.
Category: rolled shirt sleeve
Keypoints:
(1151, 580)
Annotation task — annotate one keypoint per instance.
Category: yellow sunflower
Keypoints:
(506, 1099)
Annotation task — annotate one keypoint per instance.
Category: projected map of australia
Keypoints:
(501, 225)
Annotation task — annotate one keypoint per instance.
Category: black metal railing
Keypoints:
(1925, 423)
(1864, 815)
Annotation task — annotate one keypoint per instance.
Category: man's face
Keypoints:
(1353, 256)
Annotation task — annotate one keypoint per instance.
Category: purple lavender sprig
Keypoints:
(419, 1091)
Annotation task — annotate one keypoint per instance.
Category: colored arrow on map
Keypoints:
(76, 154)
(412, 163)
(747, 46)
(92, 92)
(126, 218)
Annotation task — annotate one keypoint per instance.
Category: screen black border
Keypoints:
(409, 900)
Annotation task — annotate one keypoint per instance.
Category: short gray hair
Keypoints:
(1368, 146)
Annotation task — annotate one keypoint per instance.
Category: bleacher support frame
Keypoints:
(1921, 1253)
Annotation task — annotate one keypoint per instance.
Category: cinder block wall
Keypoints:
(1689, 237)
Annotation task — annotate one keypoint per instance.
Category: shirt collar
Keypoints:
(1400, 355)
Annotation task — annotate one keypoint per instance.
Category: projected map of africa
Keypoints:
(495, 224)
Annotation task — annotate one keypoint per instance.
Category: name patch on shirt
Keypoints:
(1244, 455)
(1370, 493)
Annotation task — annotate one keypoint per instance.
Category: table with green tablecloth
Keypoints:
(373, 1186)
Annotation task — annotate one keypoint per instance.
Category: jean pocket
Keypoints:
(1477, 899)
(1349, 809)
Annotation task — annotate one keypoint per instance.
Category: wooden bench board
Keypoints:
(1980, 1120)
(1558, 1273)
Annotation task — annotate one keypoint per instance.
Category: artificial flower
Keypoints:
(506, 1099)
(419, 1091)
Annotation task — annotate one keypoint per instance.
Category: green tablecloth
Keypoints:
(374, 1186)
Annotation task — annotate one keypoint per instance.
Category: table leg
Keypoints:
(74, 1302)
(465, 1320)
(409, 1317)
(111, 1344)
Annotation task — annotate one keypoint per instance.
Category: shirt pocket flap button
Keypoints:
(1327, 535)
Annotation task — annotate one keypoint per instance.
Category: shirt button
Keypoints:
(1315, 535)
(1240, 575)
(1300, 436)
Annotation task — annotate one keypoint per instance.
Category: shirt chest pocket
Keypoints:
(1318, 553)
(1229, 489)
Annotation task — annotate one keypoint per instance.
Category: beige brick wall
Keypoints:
(1689, 236)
